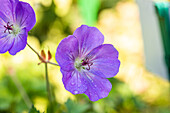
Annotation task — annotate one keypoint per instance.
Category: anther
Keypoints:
(87, 62)
(8, 27)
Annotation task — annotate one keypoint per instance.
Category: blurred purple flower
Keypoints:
(86, 63)
(16, 19)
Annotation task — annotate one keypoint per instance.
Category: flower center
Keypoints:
(12, 29)
(87, 63)
(83, 64)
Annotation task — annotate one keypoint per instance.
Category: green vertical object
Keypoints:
(162, 9)
(89, 11)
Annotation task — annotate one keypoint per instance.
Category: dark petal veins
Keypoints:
(74, 82)
(19, 42)
(97, 87)
(105, 61)
(89, 38)
(25, 16)
(67, 52)
(6, 43)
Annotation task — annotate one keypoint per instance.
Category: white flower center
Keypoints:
(16, 30)
(13, 29)
(80, 64)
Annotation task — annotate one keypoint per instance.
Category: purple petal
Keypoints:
(6, 43)
(66, 53)
(3, 18)
(97, 87)
(7, 9)
(89, 38)
(74, 82)
(19, 42)
(105, 61)
(25, 15)
(2, 28)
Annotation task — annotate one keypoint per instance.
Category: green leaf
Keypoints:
(89, 10)
(33, 110)
(73, 107)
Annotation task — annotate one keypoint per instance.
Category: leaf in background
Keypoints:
(33, 110)
(73, 107)
(89, 10)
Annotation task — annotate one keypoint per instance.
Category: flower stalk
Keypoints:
(40, 57)
(48, 84)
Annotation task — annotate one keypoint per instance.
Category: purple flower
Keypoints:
(86, 63)
(16, 19)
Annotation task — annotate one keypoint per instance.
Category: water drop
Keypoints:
(96, 96)
(75, 92)
(7, 12)
(73, 83)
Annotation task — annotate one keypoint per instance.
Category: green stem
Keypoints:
(33, 50)
(47, 80)
(52, 63)
(40, 55)
(47, 84)
(22, 91)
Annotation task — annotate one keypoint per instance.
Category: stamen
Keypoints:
(88, 63)
(8, 27)
(88, 67)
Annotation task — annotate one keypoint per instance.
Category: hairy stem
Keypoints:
(52, 63)
(33, 50)
(47, 84)
(46, 74)
(41, 56)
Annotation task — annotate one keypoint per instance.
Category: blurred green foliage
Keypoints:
(33, 110)
(120, 100)
(43, 25)
(89, 13)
